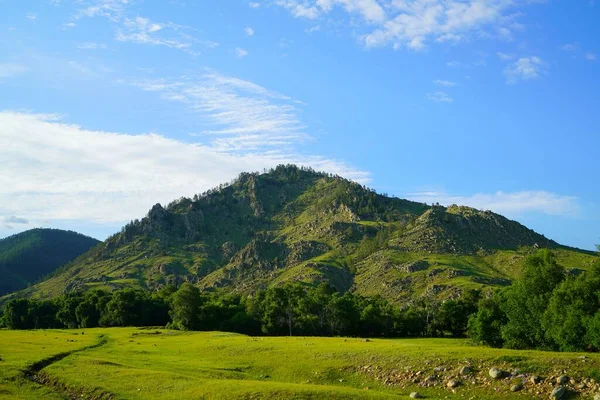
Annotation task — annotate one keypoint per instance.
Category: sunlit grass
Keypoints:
(162, 364)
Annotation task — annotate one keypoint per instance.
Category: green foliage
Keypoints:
(485, 326)
(185, 308)
(542, 310)
(526, 301)
(453, 315)
(573, 303)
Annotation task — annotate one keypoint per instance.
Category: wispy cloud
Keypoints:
(525, 68)
(241, 53)
(505, 56)
(9, 70)
(111, 9)
(90, 46)
(55, 171)
(440, 97)
(249, 31)
(31, 17)
(144, 31)
(240, 115)
(570, 47)
(445, 83)
(253, 4)
(590, 56)
(15, 220)
(415, 23)
(508, 203)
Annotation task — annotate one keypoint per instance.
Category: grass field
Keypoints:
(132, 363)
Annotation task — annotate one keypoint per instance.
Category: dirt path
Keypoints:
(34, 372)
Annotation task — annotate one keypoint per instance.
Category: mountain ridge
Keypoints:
(295, 224)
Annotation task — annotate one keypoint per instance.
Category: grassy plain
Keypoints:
(162, 364)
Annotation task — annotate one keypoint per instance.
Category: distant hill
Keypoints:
(294, 224)
(28, 256)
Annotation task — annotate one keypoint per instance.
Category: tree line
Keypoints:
(292, 309)
(546, 308)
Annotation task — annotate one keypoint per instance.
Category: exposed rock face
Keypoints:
(464, 230)
(305, 250)
(229, 249)
(414, 266)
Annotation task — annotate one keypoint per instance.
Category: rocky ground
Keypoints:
(501, 378)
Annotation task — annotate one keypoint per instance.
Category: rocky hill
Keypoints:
(294, 224)
(28, 256)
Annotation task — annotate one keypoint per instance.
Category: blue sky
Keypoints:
(110, 106)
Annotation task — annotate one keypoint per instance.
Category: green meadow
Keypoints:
(131, 363)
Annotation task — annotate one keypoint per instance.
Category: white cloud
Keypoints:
(249, 31)
(525, 68)
(54, 171)
(240, 115)
(254, 4)
(142, 30)
(440, 97)
(590, 56)
(111, 9)
(299, 10)
(570, 47)
(68, 25)
(241, 52)
(510, 204)
(445, 83)
(31, 17)
(8, 70)
(505, 56)
(415, 23)
(91, 46)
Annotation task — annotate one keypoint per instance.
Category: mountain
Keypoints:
(294, 224)
(28, 256)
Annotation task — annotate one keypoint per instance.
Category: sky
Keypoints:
(110, 106)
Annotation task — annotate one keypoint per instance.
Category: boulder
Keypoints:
(558, 392)
(465, 370)
(535, 379)
(415, 395)
(496, 373)
(453, 383)
(516, 388)
(563, 379)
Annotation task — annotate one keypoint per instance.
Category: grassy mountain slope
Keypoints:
(292, 224)
(28, 256)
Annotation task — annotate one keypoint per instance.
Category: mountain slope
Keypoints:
(30, 255)
(293, 224)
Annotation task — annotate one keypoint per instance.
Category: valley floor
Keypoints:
(130, 363)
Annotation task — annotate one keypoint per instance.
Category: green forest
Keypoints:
(545, 309)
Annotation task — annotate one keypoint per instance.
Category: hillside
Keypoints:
(294, 224)
(28, 256)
